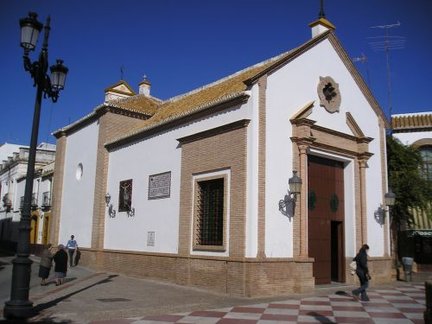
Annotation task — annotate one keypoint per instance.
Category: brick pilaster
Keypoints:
(262, 88)
(57, 190)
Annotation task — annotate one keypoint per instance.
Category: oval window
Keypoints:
(79, 171)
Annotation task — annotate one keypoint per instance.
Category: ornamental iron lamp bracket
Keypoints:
(287, 204)
(50, 86)
(131, 212)
(381, 213)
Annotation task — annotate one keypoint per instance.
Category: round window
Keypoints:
(79, 171)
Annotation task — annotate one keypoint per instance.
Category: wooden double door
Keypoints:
(326, 219)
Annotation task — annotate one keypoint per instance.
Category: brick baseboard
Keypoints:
(245, 277)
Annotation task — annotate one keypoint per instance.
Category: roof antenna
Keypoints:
(321, 14)
(387, 43)
(364, 60)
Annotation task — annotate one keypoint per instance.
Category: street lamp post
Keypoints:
(19, 306)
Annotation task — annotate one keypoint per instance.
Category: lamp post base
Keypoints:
(17, 309)
(19, 306)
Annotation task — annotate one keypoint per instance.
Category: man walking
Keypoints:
(72, 246)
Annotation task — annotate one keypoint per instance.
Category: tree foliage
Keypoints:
(412, 190)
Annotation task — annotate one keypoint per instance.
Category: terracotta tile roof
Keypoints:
(213, 92)
(230, 87)
(138, 103)
(412, 121)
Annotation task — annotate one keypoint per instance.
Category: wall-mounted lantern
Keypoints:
(111, 210)
(389, 200)
(287, 205)
(107, 198)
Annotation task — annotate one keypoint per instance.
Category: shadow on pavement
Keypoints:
(40, 307)
(320, 318)
(47, 320)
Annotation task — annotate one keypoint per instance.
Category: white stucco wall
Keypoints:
(78, 193)
(410, 138)
(288, 90)
(157, 154)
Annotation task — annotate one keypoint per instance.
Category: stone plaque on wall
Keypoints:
(159, 185)
(151, 236)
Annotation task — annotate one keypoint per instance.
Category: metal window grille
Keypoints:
(210, 212)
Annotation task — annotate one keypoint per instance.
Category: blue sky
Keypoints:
(184, 44)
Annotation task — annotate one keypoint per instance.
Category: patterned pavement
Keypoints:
(404, 303)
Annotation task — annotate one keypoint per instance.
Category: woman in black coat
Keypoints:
(61, 262)
(362, 272)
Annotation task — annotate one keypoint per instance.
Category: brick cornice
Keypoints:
(214, 131)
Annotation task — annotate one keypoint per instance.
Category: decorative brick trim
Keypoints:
(196, 216)
(262, 90)
(302, 212)
(57, 190)
(214, 131)
(224, 151)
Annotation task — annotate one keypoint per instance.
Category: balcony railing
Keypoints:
(46, 200)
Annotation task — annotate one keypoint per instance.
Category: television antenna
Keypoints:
(363, 59)
(387, 43)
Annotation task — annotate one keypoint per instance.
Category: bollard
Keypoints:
(427, 316)
(407, 264)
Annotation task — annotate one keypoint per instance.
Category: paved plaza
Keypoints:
(401, 304)
(103, 298)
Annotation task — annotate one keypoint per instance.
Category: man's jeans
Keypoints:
(71, 253)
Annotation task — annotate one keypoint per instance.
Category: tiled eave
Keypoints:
(194, 113)
(412, 123)
(95, 114)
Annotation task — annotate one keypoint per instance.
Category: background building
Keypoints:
(416, 129)
(13, 171)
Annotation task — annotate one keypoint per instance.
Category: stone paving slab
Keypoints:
(384, 307)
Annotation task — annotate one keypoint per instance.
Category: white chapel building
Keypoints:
(193, 189)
